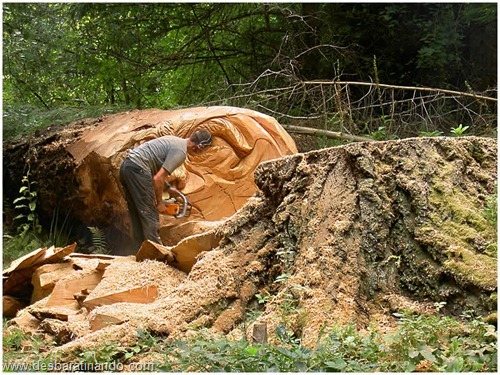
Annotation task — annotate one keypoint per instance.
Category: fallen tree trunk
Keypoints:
(76, 167)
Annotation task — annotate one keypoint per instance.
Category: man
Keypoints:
(143, 175)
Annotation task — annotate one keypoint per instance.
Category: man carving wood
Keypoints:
(143, 175)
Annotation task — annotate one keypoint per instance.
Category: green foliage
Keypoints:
(423, 343)
(459, 130)
(13, 340)
(24, 119)
(15, 246)
(99, 244)
(380, 134)
(26, 204)
(431, 343)
(18, 345)
(170, 54)
(29, 235)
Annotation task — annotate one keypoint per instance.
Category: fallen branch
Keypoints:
(414, 88)
(326, 133)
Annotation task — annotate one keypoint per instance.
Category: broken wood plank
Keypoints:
(154, 251)
(40, 256)
(65, 290)
(17, 278)
(147, 294)
(186, 251)
(26, 261)
(45, 278)
(57, 314)
(27, 322)
(94, 256)
(57, 329)
(58, 254)
(18, 283)
(183, 255)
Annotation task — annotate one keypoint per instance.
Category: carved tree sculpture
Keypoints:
(217, 181)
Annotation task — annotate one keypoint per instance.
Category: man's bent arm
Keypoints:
(158, 183)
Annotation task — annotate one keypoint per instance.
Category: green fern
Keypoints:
(99, 244)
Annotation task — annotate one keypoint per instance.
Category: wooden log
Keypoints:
(81, 162)
(146, 294)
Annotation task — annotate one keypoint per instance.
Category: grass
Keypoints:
(428, 343)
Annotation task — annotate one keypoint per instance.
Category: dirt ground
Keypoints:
(346, 235)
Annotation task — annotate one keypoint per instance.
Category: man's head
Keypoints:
(201, 139)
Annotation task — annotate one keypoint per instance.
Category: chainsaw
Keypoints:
(178, 206)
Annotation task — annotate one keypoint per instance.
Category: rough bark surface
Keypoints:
(344, 235)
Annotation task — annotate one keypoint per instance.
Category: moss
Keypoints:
(459, 230)
(473, 268)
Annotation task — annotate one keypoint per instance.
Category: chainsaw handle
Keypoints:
(184, 207)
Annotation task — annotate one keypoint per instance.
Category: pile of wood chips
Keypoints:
(69, 295)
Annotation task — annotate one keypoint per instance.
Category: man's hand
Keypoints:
(161, 208)
(173, 191)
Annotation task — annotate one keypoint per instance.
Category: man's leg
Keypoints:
(140, 188)
(126, 173)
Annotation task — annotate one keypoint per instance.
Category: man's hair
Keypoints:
(202, 138)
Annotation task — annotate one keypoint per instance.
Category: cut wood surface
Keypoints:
(93, 256)
(183, 255)
(187, 250)
(137, 295)
(100, 321)
(65, 290)
(45, 278)
(154, 251)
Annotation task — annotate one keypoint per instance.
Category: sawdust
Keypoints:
(129, 274)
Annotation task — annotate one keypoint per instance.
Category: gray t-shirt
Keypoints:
(168, 152)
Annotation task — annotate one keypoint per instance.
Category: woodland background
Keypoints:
(64, 61)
